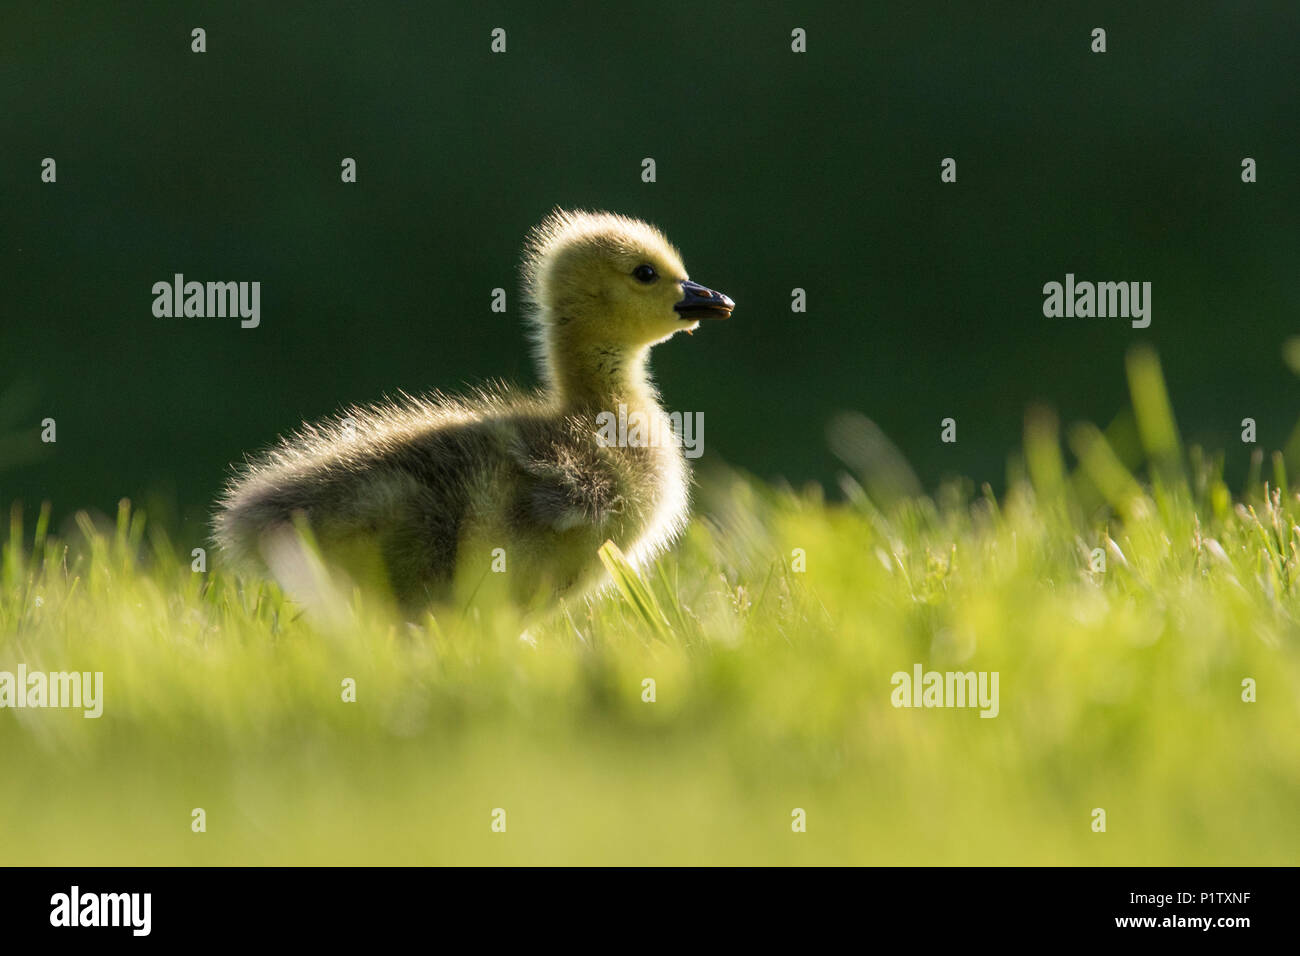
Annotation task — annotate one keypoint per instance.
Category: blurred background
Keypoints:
(775, 171)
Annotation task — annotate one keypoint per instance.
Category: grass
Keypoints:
(1120, 688)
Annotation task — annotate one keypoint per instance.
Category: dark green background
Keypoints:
(775, 170)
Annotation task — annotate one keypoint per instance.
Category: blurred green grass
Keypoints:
(1120, 689)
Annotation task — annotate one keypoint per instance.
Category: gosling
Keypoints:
(427, 496)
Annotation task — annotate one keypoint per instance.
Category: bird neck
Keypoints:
(602, 377)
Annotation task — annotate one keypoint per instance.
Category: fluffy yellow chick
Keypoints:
(421, 493)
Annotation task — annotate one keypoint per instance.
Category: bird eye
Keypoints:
(645, 273)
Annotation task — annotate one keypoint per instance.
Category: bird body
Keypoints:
(430, 495)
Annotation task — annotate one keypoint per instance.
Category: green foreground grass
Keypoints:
(1120, 688)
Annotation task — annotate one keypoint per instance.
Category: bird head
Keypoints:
(606, 281)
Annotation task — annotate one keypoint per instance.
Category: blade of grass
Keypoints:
(635, 591)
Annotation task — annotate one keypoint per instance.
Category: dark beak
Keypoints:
(702, 303)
